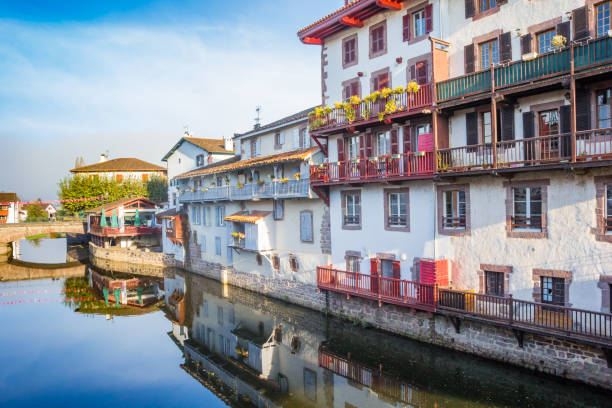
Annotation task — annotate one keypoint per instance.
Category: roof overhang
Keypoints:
(248, 217)
(352, 15)
(180, 142)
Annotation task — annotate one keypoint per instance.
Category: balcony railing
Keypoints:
(388, 290)
(126, 231)
(365, 111)
(277, 189)
(587, 55)
(545, 318)
(397, 166)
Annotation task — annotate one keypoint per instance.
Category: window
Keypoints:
(454, 210)
(351, 88)
(608, 221)
(378, 34)
(205, 308)
(603, 19)
(383, 143)
(397, 209)
(199, 160)
(220, 215)
(489, 54)
(279, 140)
(203, 244)
(145, 177)
(485, 5)
(549, 122)
(353, 147)
(380, 81)
(279, 209)
(349, 51)
(119, 178)
(194, 214)
(293, 263)
(527, 208)
(419, 23)
(306, 233)
(276, 262)
(310, 384)
(304, 138)
(220, 315)
(494, 283)
(259, 259)
(219, 181)
(352, 209)
(353, 263)
(487, 133)
(545, 41)
(218, 246)
(205, 215)
(603, 109)
(553, 290)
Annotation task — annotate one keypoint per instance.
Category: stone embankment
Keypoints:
(129, 261)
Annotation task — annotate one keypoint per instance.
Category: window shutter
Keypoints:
(565, 127)
(406, 137)
(469, 58)
(369, 147)
(583, 109)
(528, 125)
(355, 88)
(397, 274)
(505, 47)
(374, 85)
(526, 44)
(340, 149)
(296, 138)
(361, 147)
(413, 72)
(374, 266)
(306, 226)
(470, 10)
(422, 72)
(507, 119)
(406, 27)
(471, 128)
(564, 29)
(394, 142)
(429, 18)
(581, 23)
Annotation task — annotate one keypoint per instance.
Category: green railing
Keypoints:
(587, 55)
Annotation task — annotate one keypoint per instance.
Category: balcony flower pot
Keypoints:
(283, 180)
(388, 121)
(260, 182)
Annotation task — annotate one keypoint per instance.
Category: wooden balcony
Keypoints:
(588, 56)
(518, 314)
(375, 169)
(126, 231)
(367, 113)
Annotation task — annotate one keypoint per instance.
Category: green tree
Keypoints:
(157, 189)
(35, 211)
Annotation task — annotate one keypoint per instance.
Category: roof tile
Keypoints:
(120, 164)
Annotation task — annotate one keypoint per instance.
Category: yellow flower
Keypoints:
(338, 105)
(355, 100)
(412, 87)
(385, 92)
(375, 95)
(319, 111)
(398, 90)
(327, 110)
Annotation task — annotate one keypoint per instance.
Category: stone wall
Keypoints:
(13, 232)
(129, 261)
(572, 360)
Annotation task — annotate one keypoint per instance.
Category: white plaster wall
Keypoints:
(516, 14)
(396, 47)
(570, 245)
(373, 238)
(170, 247)
(209, 232)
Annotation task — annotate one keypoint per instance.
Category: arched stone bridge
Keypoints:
(13, 232)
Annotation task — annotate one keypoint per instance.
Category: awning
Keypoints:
(171, 213)
(247, 217)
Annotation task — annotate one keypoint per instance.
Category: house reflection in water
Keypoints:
(256, 351)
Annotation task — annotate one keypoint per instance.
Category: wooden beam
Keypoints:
(389, 4)
(351, 22)
(312, 40)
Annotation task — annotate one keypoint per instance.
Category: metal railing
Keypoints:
(395, 166)
(276, 189)
(365, 111)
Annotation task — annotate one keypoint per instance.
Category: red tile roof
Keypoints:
(329, 16)
(120, 164)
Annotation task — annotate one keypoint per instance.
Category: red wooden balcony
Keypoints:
(392, 167)
(127, 231)
(367, 112)
(388, 290)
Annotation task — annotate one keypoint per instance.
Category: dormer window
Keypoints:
(199, 160)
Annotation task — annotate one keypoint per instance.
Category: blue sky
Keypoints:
(80, 78)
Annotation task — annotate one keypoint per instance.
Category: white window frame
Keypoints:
(419, 23)
(218, 246)
(398, 209)
(353, 148)
(383, 143)
(355, 211)
(456, 202)
(528, 200)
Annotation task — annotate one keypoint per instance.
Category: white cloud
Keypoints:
(80, 89)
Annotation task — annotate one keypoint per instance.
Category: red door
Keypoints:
(374, 272)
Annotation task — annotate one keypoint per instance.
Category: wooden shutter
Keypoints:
(374, 84)
(394, 142)
(397, 274)
(565, 128)
(564, 29)
(583, 109)
(306, 226)
(528, 125)
(507, 119)
(471, 128)
(369, 147)
(421, 72)
(355, 88)
(526, 44)
(340, 149)
(581, 23)
(383, 81)
(505, 47)
(428, 18)
(374, 266)
(469, 58)
(406, 27)
(470, 9)
(362, 147)
(406, 141)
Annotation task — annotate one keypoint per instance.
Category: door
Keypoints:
(374, 264)
(548, 123)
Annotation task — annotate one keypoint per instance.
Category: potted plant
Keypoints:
(240, 185)
(283, 180)
(296, 176)
(558, 42)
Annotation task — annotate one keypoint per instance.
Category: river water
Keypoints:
(211, 345)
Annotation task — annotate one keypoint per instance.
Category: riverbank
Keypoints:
(130, 261)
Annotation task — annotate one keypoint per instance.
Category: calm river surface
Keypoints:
(273, 354)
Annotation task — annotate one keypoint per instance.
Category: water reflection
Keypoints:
(257, 351)
(41, 250)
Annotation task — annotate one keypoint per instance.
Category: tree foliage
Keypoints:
(83, 187)
(35, 211)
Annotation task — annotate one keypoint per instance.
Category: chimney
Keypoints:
(229, 143)
(103, 157)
